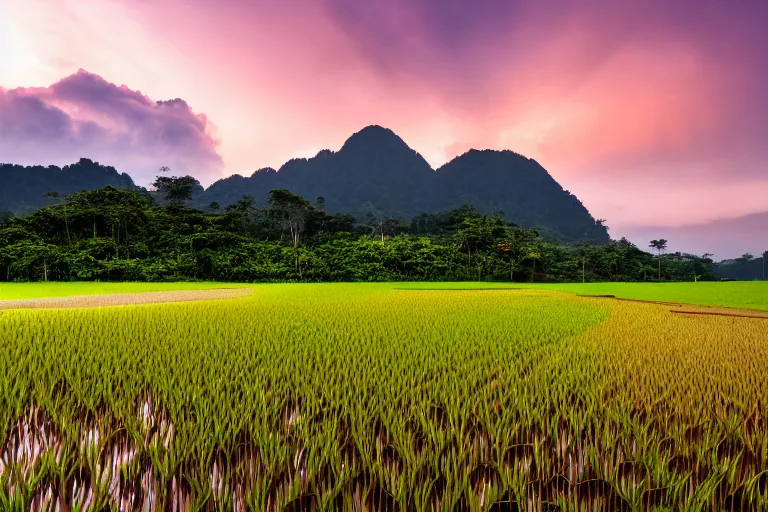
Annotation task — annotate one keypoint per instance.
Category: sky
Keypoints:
(652, 112)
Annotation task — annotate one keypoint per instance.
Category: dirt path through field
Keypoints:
(715, 311)
(125, 299)
(690, 309)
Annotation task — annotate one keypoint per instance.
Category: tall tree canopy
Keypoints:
(118, 234)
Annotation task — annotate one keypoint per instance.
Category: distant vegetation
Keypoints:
(124, 235)
(23, 189)
(372, 211)
(746, 268)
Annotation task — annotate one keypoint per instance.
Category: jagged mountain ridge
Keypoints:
(374, 170)
(375, 167)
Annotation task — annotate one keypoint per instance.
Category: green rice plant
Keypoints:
(361, 397)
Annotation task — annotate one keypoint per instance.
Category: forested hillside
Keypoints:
(746, 268)
(375, 175)
(375, 172)
(521, 188)
(23, 189)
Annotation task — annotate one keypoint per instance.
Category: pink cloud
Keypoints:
(85, 116)
(648, 111)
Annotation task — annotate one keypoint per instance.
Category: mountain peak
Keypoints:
(263, 171)
(374, 135)
(375, 130)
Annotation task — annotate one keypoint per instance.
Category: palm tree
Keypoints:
(659, 245)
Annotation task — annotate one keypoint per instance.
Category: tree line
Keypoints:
(128, 235)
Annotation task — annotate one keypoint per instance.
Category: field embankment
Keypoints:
(20, 291)
(125, 299)
(738, 294)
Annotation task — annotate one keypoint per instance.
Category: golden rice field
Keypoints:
(366, 398)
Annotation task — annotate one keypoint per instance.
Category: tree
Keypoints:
(644, 267)
(58, 199)
(706, 259)
(534, 256)
(291, 211)
(5, 218)
(36, 260)
(214, 206)
(765, 257)
(176, 190)
(239, 213)
(659, 245)
(392, 227)
(165, 168)
(517, 244)
(245, 204)
(745, 260)
(52, 196)
(623, 247)
(476, 234)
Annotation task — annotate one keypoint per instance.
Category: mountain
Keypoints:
(22, 188)
(518, 186)
(376, 169)
(373, 166)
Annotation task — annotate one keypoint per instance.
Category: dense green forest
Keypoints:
(746, 268)
(121, 234)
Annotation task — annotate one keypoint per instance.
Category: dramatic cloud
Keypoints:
(652, 112)
(85, 116)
